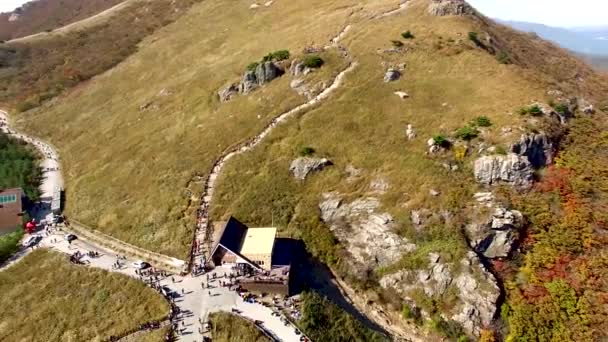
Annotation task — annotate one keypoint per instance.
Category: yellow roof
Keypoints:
(258, 241)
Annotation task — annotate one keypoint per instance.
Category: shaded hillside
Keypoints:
(39, 69)
(46, 15)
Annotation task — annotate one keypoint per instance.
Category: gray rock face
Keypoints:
(369, 235)
(475, 287)
(263, 73)
(511, 169)
(391, 75)
(229, 92)
(493, 234)
(450, 7)
(266, 72)
(478, 295)
(303, 166)
(248, 82)
(538, 148)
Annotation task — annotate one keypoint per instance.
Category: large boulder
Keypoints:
(511, 169)
(248, 82)
(450, 7)
(475, 289)
(267, 71)
(494, 233)
(369, 235)
(301, 167)
(538, 148)
(392, 75)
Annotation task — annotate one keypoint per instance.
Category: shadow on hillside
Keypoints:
(309, 273)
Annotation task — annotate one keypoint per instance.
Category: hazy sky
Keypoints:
(564, 13)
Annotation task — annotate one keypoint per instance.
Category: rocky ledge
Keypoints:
(475, 288)
(450, 7)
(369, 235)
(511, 169)
(301, 167)
(495, 229)
(261, 74)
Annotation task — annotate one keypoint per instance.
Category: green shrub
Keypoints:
(481, 121)
(411, 313)
(278, 55)
(535, 110)
(503, 58)
(473, 37)
(313, 61)
(449, 328)
(9, 244)
(306, 151)
(562, 109)
(467, 133)
(252, 66)
(440, 140)
(397, 43)
(407, 35)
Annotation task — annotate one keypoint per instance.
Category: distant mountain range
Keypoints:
(585, 40)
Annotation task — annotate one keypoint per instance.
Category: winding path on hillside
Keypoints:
(196, 303)
(203, 231)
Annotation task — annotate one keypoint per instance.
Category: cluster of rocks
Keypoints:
(303, 166)
(495, 228)
(369, 235)
(475, 287)
(450, 7)
(263, 73)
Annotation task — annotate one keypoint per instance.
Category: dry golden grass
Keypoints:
(46, 298)
(128, 171)
(226, 327)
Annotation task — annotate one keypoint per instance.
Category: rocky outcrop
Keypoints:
(228, 92)
(495, 228)
(475, 288)
(511, 169)
(369, 235)
(298, 68)
(301, 167)
(478, 293)
(260, 75)
(537, 148)
(392, 75)
(450, 7)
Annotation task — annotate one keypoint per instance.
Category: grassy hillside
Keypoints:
(226, 327)
(71, 303)
(129, 171)
(137, 141)
(45, 15)
(38, 69)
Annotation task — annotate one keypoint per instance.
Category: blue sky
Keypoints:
(562, 13)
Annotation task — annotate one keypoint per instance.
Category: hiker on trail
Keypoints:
(172, 280)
